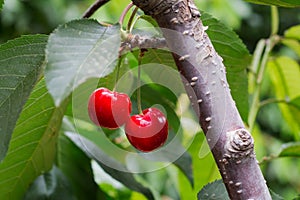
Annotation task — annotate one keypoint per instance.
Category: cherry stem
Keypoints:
(93, 8)
(139, 101)
(118, 72)
(130, 24)
(125, 11)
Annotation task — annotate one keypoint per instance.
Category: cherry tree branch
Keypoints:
(206, 85)
(93, 8)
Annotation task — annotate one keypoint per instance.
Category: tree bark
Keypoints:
(204, 77)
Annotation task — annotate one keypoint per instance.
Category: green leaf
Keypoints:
(288, 73)
(1, 4)
(284, 73)
(275, 196)
(293, 44)
(292, 38)
(51, 185)
(177, 154)
(293, 32)
(284, 3)
(20, 67)
(77, 51)
(72, 162)
(295, 102)
(236, 59)
(99, 156)
(205, 168)
(149, 19)
(33, 144)
(296, 198)
(215, 190)
(291, 149)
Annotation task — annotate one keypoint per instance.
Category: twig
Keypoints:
(267, 159)
(125, 11)
(130, 24)
(142, 42)
(269, 101)
(93, 8)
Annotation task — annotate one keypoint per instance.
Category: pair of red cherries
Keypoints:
(146, 131)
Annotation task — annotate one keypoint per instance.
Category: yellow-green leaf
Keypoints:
(293, 32)
(284, 73)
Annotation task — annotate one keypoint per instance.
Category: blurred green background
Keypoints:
(251, 22)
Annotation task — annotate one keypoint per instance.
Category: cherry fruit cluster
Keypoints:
(146, 131)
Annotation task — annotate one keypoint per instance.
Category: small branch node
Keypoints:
(239, 145)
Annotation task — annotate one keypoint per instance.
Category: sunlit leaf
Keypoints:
(32, 147)
(284, 3)
(215, 190)
(111, 11)
(293, 32)
(95, 153)
(293, 44)
(284, 73)
(50, 185)
(288, 71)
(295, 102)
(77, 51)
(292, 38)
(20, 66)
(290, 150)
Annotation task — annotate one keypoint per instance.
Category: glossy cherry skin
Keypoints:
(109, 109)
(147, 131)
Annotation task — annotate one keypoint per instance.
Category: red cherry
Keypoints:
(147, 131)
(109, 109)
